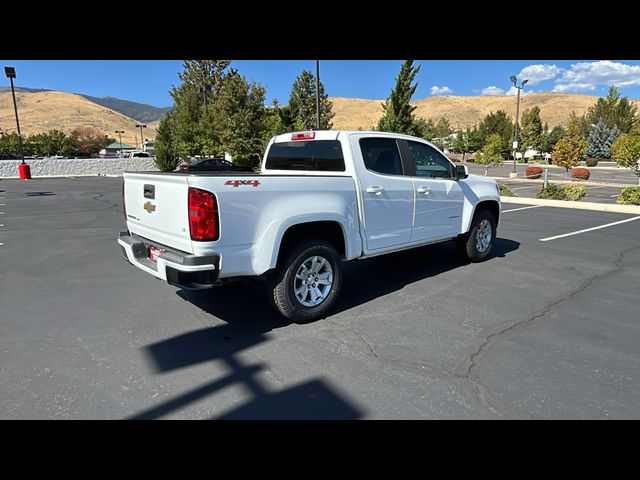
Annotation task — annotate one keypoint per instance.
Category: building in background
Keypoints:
(114, 148)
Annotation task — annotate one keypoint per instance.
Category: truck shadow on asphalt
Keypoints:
(248, 317)
(247, 300)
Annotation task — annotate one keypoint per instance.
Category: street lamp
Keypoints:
(10, 72)
(120, 132)
(514, 80)
(318, 94)
(141, 137)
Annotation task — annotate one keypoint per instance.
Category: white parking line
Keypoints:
(522, 208)
(589, 229)
(614, 196)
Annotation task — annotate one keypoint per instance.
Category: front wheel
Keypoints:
(477, 245)
(306, 283)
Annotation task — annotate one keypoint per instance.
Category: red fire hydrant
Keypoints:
(24, 171)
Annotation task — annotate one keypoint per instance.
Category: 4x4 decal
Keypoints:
(237, 183)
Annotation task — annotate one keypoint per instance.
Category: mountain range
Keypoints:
(42, 110)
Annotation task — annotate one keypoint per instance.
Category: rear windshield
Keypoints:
(322, 155)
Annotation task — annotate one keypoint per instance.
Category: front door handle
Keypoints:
(425, 190)
(375, 189)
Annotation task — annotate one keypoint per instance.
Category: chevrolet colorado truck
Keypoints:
(319, 198)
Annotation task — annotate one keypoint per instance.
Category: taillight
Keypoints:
(124, 205)
(203, 215)
(303, 136)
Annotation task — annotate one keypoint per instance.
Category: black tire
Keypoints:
(281, 283)
(467, 245)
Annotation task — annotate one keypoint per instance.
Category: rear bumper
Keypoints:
(186, 271)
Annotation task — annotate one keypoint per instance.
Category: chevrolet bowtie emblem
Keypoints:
(149, 207)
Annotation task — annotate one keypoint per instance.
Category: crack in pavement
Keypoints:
(473, 360)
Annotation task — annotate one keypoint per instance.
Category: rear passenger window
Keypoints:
(322, 155)
(381, 155)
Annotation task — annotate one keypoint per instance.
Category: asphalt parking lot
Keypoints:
(548, 328)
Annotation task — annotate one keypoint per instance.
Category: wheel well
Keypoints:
(490, 205)
(328, 231)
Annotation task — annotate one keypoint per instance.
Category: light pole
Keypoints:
(141, 138)
(10, 72)
(120, 132)
(514, 80)
(317, 94)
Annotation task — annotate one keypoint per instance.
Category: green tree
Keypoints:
(491, 154)
(398, 114)
(626, 151)
(600, 140)
(531, 133)
(302, 103)
(165, 156)
(241, 120)
(550, 138)
(613, 110)
(55, 142)
(10, 144)
(467, 142)
(281, 119)
(498, 122)
(570, 148)
(87, 140)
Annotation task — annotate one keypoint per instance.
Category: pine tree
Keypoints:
(302, 103)
(398, 113)
(613, 110)
(600, 140)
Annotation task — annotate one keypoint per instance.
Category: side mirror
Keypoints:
(462, 172)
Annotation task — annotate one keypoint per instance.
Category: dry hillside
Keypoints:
(462, 112)
(44, 111)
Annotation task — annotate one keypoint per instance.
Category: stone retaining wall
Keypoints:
(78, 166)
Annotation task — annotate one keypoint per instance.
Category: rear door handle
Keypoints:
(424, 190)
(375, 189)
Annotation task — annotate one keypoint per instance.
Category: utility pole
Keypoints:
(120, 132)
(317, 94)
(514, 80)
(141, 137)
(10, 72)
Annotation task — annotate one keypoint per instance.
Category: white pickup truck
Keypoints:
(321, 198)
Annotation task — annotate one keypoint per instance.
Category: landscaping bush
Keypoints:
(580, 174)
(629, 196)
(533, 172)
(574, 192)
(563, 192)
(507, 191)
(591, 162)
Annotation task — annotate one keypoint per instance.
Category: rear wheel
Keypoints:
(306, 283)
(477, 245)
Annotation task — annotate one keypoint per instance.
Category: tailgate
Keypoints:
(157, 208)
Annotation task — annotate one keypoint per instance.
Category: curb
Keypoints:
(598, 207)
(586, 183)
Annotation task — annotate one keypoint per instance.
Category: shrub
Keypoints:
(629, 196)
(563, 192)
(507, 191)
(574, 192)
(591, 162)
(533, 172)
(580, 174)
(552, 192)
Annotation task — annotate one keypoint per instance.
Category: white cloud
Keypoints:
(514, 91)
(492, 90)
(444, 90)
(587, 76)
(539, 73)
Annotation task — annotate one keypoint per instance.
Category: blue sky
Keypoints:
(148, 81)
